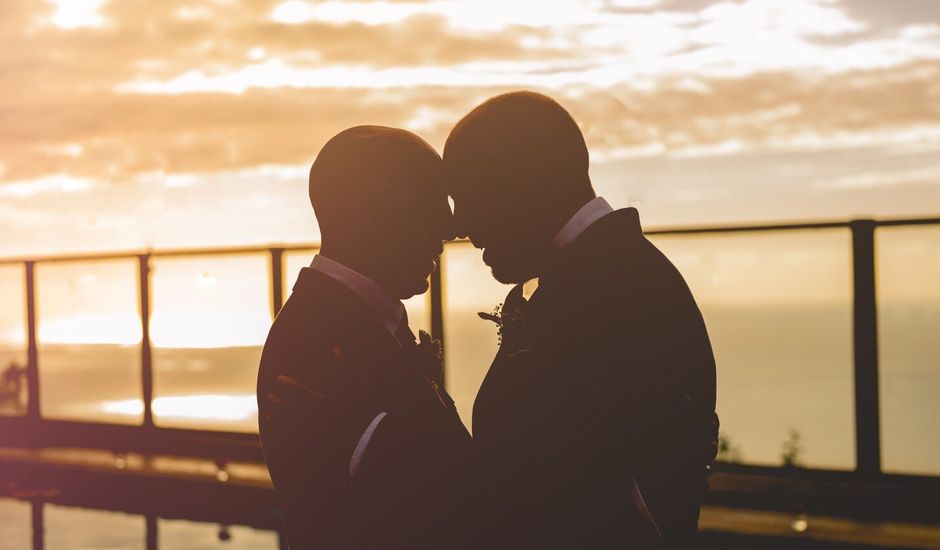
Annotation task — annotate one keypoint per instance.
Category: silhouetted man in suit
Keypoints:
(605, 377)
(343, 338)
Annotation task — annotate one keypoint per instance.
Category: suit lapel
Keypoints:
(390, 373)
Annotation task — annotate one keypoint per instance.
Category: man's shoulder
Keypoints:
(618, 274)
(317, 305)
(307, 328)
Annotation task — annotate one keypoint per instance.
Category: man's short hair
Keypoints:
(360, 175)
(523, 135)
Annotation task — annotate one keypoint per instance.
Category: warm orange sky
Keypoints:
(132, 123)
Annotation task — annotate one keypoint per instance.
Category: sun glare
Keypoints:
(72, 14)
(114, 328)
(230, 408)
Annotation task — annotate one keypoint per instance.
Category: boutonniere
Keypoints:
(510, 319)
(338, 353)
(433, 353)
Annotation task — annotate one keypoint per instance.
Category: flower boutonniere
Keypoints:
(433, 353)
(510, 319)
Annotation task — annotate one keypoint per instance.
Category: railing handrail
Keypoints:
(158, 253)
(263, 248)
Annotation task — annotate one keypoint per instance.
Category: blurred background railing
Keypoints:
(825, 335)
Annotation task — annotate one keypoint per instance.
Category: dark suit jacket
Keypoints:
(405, 490)
(582, 399)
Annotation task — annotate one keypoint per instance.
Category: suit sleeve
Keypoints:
(431, 475)
(308, 459)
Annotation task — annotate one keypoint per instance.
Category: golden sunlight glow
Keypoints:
(153, 125)
(210, 302)
(72, 14)
(48, 184)
(231, 408)
(115, 328)
(14, 337)
(196, 328)
(275, 73)
(481, 15)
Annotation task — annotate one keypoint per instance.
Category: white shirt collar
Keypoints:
(390, 310)
(582, 219)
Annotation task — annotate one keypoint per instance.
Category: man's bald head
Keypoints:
(368, 174)
(517, 169)
(525, 138)
(381, 205)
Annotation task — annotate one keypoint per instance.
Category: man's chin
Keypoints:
(508, 276)
(419, 286)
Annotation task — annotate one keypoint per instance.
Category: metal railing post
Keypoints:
(32, 350)
(437, 309)
(867, 423)
(277, 280)
(38, 524)
(151, 532)
(146, 353)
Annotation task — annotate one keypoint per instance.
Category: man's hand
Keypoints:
(682, 430)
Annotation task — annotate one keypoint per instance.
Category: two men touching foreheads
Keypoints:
(595, 425)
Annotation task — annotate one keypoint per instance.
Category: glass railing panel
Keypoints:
(89, 332)
(210, 317)
(778, 307)
(907, 283)
(13, 385)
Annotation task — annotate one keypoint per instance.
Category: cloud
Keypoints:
(161, 106)
(112, 136)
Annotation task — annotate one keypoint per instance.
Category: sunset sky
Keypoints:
(132, 123)
(135, 124)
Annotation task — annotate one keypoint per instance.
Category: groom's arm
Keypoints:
(383, 442)
(327, 417)
(303, 459)
(436, 472)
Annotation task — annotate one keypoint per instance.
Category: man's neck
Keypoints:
(357, 261)
(554, 224)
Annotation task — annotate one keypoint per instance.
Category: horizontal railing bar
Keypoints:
(234, 250)
(219, 251)
(908, 221)
(181, 252)
(787, 226)
(746, 228)
(24, 432)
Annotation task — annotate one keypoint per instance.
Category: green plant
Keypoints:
(727, 450)
(792, 449)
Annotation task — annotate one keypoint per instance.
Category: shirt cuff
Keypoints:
(360, 449)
